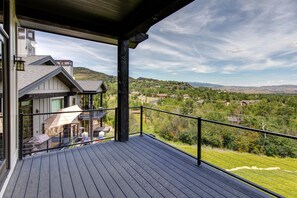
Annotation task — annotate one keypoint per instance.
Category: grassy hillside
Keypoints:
(273, 173)
(81, 73)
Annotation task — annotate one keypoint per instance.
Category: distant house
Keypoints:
(235, 119)
(186, 96)
(201, 101)
(135, 93)
(162, 95)
(248, 102)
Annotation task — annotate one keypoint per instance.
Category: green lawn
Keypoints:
(281, 179)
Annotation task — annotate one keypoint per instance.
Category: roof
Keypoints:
(39, 60)
(38, 74)
(92, 86)
(98, 20)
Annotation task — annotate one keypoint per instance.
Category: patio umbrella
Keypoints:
(62, 118)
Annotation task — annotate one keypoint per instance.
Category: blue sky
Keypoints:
(228, 42)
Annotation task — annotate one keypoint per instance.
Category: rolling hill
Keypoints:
(82, 73)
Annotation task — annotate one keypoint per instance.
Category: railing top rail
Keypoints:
(226, 124)
(59, 112)
(250, 129)
(177, 114)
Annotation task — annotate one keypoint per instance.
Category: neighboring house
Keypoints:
(90, 89)
(86, 100)
(43, 87)
(46, 87)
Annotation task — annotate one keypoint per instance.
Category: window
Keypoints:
(57, 104)
(21, 32)
(31, 35)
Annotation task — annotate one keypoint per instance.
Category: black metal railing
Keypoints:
(204, 130)
(24, 123)
(197, 130)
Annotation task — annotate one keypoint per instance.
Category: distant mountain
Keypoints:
(81, 73)
(287, 89)
(209, 85)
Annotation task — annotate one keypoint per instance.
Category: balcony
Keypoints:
(140, 167)
(147, 166)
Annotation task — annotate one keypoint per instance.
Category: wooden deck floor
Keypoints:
(141, 167)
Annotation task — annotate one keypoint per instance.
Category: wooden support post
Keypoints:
(101, 104)
(91, 116)
(66, 127)
(123, 90)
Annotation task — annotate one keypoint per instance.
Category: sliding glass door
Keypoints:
(3, 118)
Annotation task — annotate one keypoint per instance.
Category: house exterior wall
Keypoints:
(54, 85)
(42, 106)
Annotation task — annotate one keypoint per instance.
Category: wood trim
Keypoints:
(46, 95)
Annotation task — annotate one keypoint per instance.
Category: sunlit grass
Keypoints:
(282, 179)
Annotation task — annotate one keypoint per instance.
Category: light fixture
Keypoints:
(19, 63)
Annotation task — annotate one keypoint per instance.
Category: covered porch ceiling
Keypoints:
(104, 21)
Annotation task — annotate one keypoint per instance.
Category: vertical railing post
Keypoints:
(199, 141)
(47, 146)
(141, 120)
(60, 139)
(21, 132)
(116, 135)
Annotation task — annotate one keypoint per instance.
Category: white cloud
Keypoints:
(214, 37)
(203, 69)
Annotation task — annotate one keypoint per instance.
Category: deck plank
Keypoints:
(13, 180)
(97, 178)
(179, 188)
(55, 178)
(21, 183)
(66, 182)
(193, 173)
(79, 186)
(32, 188)
(140, 167)
(180, 175)
(128, 178)
(91, 189)
(215, 177)
(127, 190)
(138, 177)
(151, 180)
(44, 178)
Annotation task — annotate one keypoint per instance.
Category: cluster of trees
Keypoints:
(270, 112)
(185, 130)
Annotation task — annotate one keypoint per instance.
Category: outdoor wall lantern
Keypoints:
(19, 63)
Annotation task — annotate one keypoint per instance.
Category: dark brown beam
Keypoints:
(138, 38)
(123, 90)
(45, 95)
